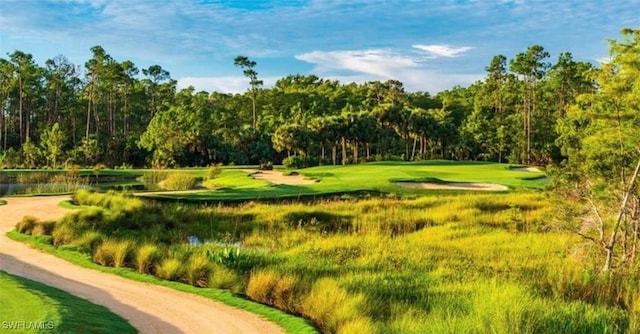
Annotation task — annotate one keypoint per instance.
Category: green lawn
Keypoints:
(27, 304)
(377, 177)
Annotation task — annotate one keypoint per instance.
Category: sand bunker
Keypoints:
(527, 169)
(276, 177)
(454, 186)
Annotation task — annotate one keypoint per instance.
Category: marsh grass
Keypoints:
(171, 269)
(197, 270)
(474, 263)
(147, 257)
(114, 253)
(153, 178)
(224, 278)
(179, 181)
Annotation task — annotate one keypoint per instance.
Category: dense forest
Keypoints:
(113, 113)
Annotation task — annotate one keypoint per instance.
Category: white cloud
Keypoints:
(442, 50)
(379, 62)
(383, 64)
(222, 84)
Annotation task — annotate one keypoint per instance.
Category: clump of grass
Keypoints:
(116, 253)
(224, 278)
(261, 285)
(170, 269)
(26, 225)
(152, 178)
(332, 307)
(213, 171)
(43, 228)
(180, 181)
(32, 178)
(284, 293)
(197, 270)
(147, 257)
(358, 325)
(90, 240)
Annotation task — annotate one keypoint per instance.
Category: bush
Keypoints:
(170, 269)
(213, 171)
(266, 165)
(294, 162)
(180, 181)
(147, 257)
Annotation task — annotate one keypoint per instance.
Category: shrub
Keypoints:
(266, 165)
(26, 225)
(293, 162)
(180, 181)
(170, 269)
(97, 168)
(147, 257)
(197, 270)
(261, 285)
(213, 171)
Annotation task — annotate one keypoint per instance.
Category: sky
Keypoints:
(429, 45)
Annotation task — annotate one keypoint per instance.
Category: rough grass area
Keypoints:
(52, 310)
(431, 264)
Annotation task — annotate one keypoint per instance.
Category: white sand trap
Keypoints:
(276, 177)
(454, 186)
(527, 169)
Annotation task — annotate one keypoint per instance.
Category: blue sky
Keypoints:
(428, 45)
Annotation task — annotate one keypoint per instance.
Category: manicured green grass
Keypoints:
(291, 324)
(377, 177)
(37, 304)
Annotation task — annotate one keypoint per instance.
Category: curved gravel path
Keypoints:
(149, 308)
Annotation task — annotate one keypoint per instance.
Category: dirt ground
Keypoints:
(276, 177)
(454, 186)
(149, 308)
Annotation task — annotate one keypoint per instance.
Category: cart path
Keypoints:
(149, 308)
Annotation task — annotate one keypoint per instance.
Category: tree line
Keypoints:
(111, 112)
(582, 119)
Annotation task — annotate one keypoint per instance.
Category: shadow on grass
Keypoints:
(80, 319)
